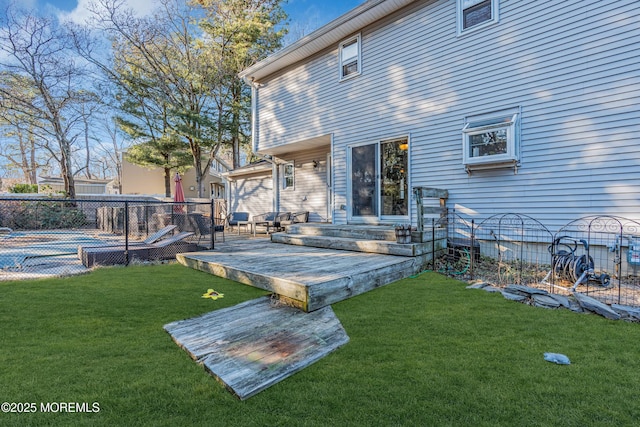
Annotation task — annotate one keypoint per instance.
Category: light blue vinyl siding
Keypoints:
(573, 67)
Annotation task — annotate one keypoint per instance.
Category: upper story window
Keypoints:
(288, 171)
(491, 140)
(350, 57)
(476, 13)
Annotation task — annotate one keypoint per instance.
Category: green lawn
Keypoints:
(423, 351)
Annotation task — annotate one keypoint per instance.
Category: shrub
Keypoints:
(24, 188)
(37, 215)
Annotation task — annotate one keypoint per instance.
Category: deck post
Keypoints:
(417, 191)
(431, 193)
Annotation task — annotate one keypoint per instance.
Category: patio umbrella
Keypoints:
(178, 196)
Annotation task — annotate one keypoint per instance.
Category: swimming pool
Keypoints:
(16, 248)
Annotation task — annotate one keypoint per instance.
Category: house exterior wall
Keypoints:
(570, 67)
(252, 193)
(139, 180)
(310, 191)
(81, 188)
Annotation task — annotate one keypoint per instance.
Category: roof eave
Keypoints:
(325, 36)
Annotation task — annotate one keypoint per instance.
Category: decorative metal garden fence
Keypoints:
(595, 255)
(599, 256)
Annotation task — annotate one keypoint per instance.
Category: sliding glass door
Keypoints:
(364, 181)
(379, 181)
(394, 193)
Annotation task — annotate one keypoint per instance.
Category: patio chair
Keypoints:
(161, 250)
(151, 238)
(270, 220)
(236, 219)
(296, 218)
(204, 226)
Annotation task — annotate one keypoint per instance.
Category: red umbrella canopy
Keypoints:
(178, 196)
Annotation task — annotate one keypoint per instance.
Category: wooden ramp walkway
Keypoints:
(256, 344)
(308, 277)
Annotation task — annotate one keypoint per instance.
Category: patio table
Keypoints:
(248, 226)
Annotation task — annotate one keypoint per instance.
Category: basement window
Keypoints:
(491, 140)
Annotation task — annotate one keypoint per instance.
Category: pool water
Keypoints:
(17, 247)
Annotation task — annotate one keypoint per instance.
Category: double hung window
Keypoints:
(350, 57)
(288, 173)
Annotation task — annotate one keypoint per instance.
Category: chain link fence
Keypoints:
(46, 236)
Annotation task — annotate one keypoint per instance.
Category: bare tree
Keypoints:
(177, 71)
(35, 51)
(21, 152)
(163, 75)
(18, 145)
(109, 151)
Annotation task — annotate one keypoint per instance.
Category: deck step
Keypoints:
(385, 247)
(358, 232)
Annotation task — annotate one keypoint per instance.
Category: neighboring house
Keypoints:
(83, 186)
(150, 181)
(512, 106)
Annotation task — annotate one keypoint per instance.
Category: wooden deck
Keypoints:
(256, 344)
(310, 278)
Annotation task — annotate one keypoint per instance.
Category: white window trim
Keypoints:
(284, 176)
(358, 39)
(508, 159)
(495, 17)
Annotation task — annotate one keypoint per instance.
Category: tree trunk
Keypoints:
(235, 124)
(65, 159)
(33, 178)
(167, 182)
(87, 147)
(69, 183)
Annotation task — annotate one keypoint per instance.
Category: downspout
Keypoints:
(254, 112)
(275, 175)
(254, 118)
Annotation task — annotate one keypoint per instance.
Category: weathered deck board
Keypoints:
(312, 277)
(256, 344)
